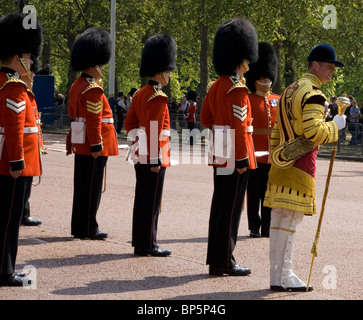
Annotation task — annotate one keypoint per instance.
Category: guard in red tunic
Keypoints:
(190, 115)
(19, 143)
(93, 133)
(26, 219)
(148, 119)
(259, 80)
(227, 111)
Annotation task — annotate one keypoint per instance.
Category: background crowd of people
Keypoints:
(354, 117)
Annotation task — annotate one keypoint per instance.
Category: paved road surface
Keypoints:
(68, 269)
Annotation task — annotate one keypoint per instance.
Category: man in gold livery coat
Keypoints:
(299, 130)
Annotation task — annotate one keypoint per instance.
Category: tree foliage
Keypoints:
(294, 27)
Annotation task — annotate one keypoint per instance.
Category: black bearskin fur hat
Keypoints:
(16, 40)
(235, 41)
(266, 66)
(92, 48)
(158, 55)
(192, 95)
(35, 65)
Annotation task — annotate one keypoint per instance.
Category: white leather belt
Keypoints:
(104, 120)
(28, 130)
(226, 127)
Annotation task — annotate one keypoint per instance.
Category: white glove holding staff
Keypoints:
(340, 121)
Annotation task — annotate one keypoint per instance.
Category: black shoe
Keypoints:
(20, 274)
(155, 252)
(97, 236)
(236, 270)
(30, 222)
(15, 281)
(291, 289)
(254, 234)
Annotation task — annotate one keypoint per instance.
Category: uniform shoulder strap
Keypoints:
(158, 93)
(92, 84)
(236, 83)
(12, 79)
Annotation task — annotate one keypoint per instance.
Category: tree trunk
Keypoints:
(144, 80)
(204, 47)
(277, 86)
(290, 58)
(71, 37)
(46, 53)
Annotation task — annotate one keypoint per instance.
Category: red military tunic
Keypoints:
(264, 117)
(227, 104)
(190, 117)
(37, 119)
(149, 111)
(87, 103)
(18, 125)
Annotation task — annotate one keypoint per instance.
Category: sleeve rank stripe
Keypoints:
(94, 104)
(17, 107)
(239, 112)
(94, 107)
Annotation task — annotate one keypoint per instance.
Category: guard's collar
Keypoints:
(9, 70)
(262, 93)
(155, 83)
(86, 75)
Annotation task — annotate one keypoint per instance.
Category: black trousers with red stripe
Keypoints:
(88, 185)
(148, 194)
(12, 201)
(225, 214)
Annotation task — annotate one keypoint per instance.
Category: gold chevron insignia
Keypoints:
(94, 107)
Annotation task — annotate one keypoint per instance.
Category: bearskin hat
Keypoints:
(158, 55)
(266, 66)
(192, 95)
(132, 91)
(16, 40)
(235, 41)
(91, 48)
(35, 65)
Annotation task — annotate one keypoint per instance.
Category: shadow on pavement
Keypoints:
(119, 286)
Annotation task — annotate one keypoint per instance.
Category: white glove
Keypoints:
(340, 121)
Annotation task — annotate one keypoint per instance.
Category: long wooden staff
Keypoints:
(342, 103)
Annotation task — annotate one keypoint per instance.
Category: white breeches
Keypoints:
(282, 238)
